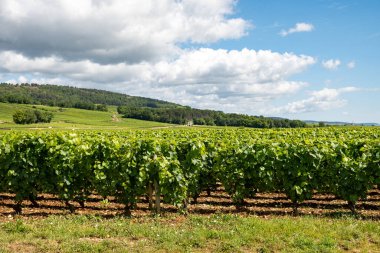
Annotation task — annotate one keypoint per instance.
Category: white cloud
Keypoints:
(299, 27)
(331, 64)
(351, 65)
(22, 79)
(114, 31)
(321, 100)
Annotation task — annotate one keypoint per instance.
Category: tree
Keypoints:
(43, 116)
(102, 107)
(32, 116)
(24, 117)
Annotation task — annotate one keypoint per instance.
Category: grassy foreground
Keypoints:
(194, 233)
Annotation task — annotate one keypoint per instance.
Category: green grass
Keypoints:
(194, 233)
(74, 118)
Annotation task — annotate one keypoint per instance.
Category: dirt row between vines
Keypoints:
(262, 204)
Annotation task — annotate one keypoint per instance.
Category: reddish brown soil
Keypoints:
(263, 204)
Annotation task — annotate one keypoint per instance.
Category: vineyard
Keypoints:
(177, 166)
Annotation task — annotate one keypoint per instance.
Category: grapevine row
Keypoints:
(178, 165)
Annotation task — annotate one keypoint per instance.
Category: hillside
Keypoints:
(69, 118)
(339, 123)
(72, 97)
(133, 107)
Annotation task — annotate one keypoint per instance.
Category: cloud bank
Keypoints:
(321, 100)
(116, 30)
(204, 78)
(158, 49)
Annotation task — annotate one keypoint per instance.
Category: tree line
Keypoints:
(187, 115)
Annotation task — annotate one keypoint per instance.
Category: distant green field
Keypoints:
(74, 118)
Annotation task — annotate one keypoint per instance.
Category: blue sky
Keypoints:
(344, 30)
(314, 59)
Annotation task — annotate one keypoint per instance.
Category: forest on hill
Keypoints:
(73, 97)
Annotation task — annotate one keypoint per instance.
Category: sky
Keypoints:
(309, 60)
